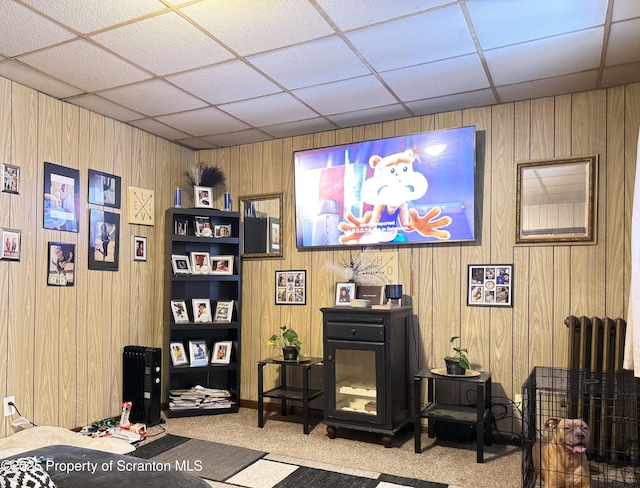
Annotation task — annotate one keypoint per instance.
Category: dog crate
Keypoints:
(607, 400)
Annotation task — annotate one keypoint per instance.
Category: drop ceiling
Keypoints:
(216, 73)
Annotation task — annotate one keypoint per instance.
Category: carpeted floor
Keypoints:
(227, 465)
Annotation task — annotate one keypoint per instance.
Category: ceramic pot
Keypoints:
(290, 353)
(454, 368)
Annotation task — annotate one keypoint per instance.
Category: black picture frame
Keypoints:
(104, 240)
(490, 285)
(291, 287)
(104, 189)
(11, 178)
(61, 204)
(61, 264)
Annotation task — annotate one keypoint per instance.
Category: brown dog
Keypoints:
(560, 457)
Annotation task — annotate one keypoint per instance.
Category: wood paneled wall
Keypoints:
(62, 347)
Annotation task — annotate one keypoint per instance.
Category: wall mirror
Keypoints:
(261, 217)
(556, 201)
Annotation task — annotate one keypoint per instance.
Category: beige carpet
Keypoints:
(444, 462)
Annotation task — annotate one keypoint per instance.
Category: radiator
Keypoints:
(141, 383)
(597, 345)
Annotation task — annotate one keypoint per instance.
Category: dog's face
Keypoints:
(572, 434)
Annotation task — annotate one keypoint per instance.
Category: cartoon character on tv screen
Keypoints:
(393, 184)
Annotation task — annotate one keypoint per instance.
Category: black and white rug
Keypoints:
(236, 466)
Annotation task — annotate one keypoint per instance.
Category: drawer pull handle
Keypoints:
(329, 358)
(353, 331)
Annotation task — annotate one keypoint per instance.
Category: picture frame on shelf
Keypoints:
(179, 310)
(291, 287)
(221, 353)
(104, 240)
(203, 197)
(490, 285)
(201, 310)
(139, 248)
(11, 244)
(180, 227)
(62, 256)
(178, 354)
(345, 293)
(104, 189)
(180, 264)
(61, 198)
(373, 293)
(202, 226)
(224, 311)
(222, 230)
(198, 353)
(200, 262)
(222, 265)
(10, 178)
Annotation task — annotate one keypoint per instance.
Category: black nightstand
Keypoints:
(479, 416)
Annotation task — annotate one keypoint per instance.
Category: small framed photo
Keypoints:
(274, 234)
(200, 263)
(345, 292)
(490, 285)
(104, 189)
(179, 310)
(198, 354)
(291, 287)
(222, 230)
(11, 242)
(180, 227)
(224, 311)
(203, 196)
(180, 264)
(201, 310)
(62, 257)
(178, 355)
(222, 265)
(139, 248)
(202, 227)
(373, 293)
(104, 239)
(221, 353)
(10, 178)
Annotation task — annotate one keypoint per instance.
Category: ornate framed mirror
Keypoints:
(262, 223)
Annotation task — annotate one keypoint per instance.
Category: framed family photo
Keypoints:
(345, 293)
(104, 189)
(201, 310)
(61, 197)
(202, 227)
(222, 265)
(490, 285)
(180, 227)
(11, 242)
(179, 310)
(291, 287)
(61, 264)
(104, 237)
(200, 263)
(11, 178)
(222, 230)
(139, 248)
(180, 264)
(198, 354)
(221, 353)
(224, 311)
(178, 354)
(203, 197)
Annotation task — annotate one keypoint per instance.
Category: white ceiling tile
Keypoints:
(226, 82)
(346, 96)
(547, 87)
(84, 65)
(346, 17)
(437, 79)
(553, 56)
(90, 15)
(195, 143)
(414, 40)
(154, 97)
(155, 127)
(299, 127)
(272, 109)
(203, 122)
(369, 116)
(104, 107)
(230, 22)
(504, 22)
(27, 76)
(448, 103)
(27, 30)
(625, 9)
(311, 63)
(620, 75)
(238, 138)
(182, 45)
(624, 43)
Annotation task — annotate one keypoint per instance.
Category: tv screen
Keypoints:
(399, 190)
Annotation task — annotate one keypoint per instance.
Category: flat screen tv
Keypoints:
(411, 189)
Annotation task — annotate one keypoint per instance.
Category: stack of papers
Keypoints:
(199, 397)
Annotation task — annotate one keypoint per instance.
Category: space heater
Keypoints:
(141, 383)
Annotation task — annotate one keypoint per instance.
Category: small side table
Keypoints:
(479, 416)
(285, 392)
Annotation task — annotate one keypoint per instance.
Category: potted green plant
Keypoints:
(288, 341)
(457, 363)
